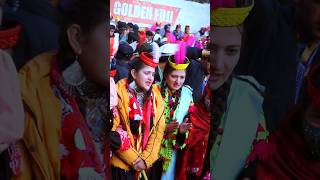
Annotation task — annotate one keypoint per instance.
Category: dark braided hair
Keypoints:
(218, 107)
(219, 102)
(176, 95)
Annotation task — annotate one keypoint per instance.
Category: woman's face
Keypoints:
(187, 30)
(149, 38)
(168, 29)
(175, 79)
(226, 44)
(208, 42)
(111, 32)
(144, 77)
(93, 59)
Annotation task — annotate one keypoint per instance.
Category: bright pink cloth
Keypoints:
(153, 28)
(190, 39)
(171, 38)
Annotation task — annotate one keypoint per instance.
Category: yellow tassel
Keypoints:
(139, 151)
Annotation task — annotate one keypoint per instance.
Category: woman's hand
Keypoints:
(171, 127)
(139, 165)
(184, 126)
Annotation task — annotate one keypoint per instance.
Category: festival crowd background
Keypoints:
(85, 95)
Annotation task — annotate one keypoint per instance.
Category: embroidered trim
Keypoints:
(169, 142)
(125, 140)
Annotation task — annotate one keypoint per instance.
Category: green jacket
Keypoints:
(240, 123)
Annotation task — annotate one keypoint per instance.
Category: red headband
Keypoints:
(147, 59)
(313, 92)
(113, 73)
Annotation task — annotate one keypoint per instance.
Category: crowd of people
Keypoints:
(239, 99)
(153, 75)
(225, 115)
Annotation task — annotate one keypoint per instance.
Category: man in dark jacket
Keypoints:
(198, 72)
(123, 56)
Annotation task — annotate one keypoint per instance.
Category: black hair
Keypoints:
(130, 25)
(166, 27)
(132, 37)
(243, 65)
(149, 33)
(302, 12)
(145, 47)
(316, 81)
(201, 31)
(218, 107)
(187, 26)
(135, 64)
(135, 28)
(125, 52)
(88, 15)
(243, 3)
(122, 26)
(163, 59)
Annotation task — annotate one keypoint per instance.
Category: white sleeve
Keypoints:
(11, 109)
